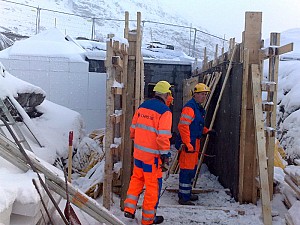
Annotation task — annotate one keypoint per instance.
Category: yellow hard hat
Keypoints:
(162, 87)
(200, 87)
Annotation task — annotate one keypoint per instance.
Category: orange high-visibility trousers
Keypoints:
(148, 174)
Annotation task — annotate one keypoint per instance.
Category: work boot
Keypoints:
(182, 202)
(194, 198)
(158, 220)
(129, 215)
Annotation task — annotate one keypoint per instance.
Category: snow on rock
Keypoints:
(10, 85)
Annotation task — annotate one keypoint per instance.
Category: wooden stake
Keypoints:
(260, 145)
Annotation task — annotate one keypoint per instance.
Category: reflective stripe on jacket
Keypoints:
(151, 129)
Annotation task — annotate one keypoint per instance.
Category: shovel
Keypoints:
(69, 211)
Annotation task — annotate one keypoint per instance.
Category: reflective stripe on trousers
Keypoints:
(186, 178)
(150, 176)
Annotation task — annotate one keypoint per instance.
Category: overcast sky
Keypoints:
(227, 17)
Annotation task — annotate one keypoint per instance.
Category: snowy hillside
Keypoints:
(288, 117)
(107, 17)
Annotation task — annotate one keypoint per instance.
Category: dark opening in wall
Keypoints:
(96, 66)
(150, 93)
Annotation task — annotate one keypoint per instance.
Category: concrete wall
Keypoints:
(66, 83)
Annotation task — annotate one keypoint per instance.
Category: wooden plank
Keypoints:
(288, 219)
(204, 62)
(117, 62)
(252, 43)
(199, 190)
(126, 172)
(200, 208)
(138, 62)
(269, 52)
(218, 76)
(267, 106)
(295, 178)
(117, 90)
(109, 131)
(252, 35)
(260, 145)
(129, 93)
(287, 201)
(115, 119)
(270, 131)
(243, 137)
(285, 49)
(268, 86)
(124, 49)
(142, 97)
(126, 29)
(216, 61)
(116, 47)
(288, 179)
(271, 117)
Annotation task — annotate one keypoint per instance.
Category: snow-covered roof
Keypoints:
(51, 43)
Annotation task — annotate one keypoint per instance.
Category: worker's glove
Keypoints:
(189, 148)
(165, 159)
(212, 132)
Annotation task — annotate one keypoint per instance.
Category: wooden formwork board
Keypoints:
(134, 96)
(260, 144)
(248, 166)
(203, 150)
(109, 133)
(245, 167)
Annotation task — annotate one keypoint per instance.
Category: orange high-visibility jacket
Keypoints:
(151, 130)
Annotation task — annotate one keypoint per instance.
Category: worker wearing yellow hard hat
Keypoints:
(151, 132)
(191, 128)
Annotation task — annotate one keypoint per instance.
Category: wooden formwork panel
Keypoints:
(225, 146)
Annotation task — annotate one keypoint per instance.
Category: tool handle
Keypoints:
(70, 138)
(70, 153)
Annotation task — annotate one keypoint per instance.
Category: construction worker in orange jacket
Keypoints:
(191, 128)
(151, 131)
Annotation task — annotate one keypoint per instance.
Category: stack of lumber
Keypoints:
(292, 197)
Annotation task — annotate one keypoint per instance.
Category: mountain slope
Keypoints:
(159, 22)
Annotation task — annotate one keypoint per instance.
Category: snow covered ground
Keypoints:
(215, 206)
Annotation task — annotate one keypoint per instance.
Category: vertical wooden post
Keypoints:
(133, 99)
(248, 166)
(138, 62)
(126, 123)
(126, 29)
(243, 126)
(271, 116)
(109, 132)
(260, 144)
(216, 55)
(204, 62)
(127, 149)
